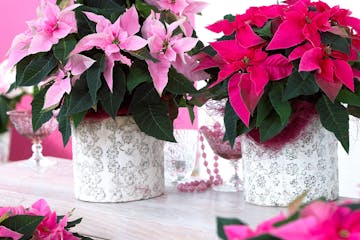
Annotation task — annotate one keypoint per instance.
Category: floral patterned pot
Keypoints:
(4, 146)
(307, 164)
(115, 162)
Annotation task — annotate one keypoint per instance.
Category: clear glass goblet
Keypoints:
(214, 137)
(22, 121)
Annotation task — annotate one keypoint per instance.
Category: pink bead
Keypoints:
(216, 164)
(202, 146)
(216, 171)
(201, 138)
(216, 182)
(203, 155)
(208, 171)
(212, 178)
(216, 157)
(195, 183)
(191, 188)
(206, 163)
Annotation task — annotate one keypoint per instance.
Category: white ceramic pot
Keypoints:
(115, 162)
(277, 177)
(4, 146)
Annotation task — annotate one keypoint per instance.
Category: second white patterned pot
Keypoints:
(307, 164)
(115, 162)
(4, 146)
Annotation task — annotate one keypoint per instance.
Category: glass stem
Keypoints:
(37, 151)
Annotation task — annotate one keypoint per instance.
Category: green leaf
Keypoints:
(138, 74)
(336, 42)
(143, 8)
(300, 84)
(64, 47)
(151, 114)
(3, 110)
(230, 122)
(265, 237)
(263, 109)
(37, 70)
(64, 122)
(93, 76)
(283, 108)
(353, 206)
(179, 84)
(191, 113)
(111, 101)
(230, 17)
(222, 222)
(80, 99)
(265, 31)
(78, 117)
(40, 116)
(143, 54)
(153, 120)
(354, 111)
(20, 69)
(24, 224)
(334, 118)
(145, 94)
(71, 224)
(84, 25)
(270, 127)
(346, 96)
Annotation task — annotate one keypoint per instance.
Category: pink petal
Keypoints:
(170, 54)
(297, 230)
(226, 71)
(159, 73)
(7, 233)
(19, 49)
(310, 61)
(250, 91)
(229, 50)
(155, 44)
(153, 27)
(259, 77)
(99, 40)
(108, 72)
(327, 69)
(247, 38)
(299, 51)
(236, 100)
(102, 22)
(61, 31)
(41, 206)
(283, 39)
(278, 67)
(129, 21)
(236, 232)
(79, 63)
(170, 28)
(344, 73)
(41, 42)
(222, 26)
(330, 88)
(184, 44)
(133, 43)
(189, 68)
(56, 92)
(312, 35)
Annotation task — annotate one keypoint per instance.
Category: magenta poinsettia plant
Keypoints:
(36, 222)
(129, 57)
(314, 221)
(273, 57)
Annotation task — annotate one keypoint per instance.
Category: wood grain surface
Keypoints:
(174, 215)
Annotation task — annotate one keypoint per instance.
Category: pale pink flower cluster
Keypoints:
(318, 220)
(51, 25)
(181, 8)
(48, 229)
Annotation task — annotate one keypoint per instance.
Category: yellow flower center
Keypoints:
(344, 233)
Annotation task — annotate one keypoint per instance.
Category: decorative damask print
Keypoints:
(275, 178)
(115, 162)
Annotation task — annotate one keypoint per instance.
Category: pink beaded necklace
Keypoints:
(202, 185)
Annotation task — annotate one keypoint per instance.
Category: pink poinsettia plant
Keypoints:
(36, 222)
(317, 220)
(273, 58)
(113, 56)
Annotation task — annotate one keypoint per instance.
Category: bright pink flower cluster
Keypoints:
(318, 220)
(49, 228)
(253, 57)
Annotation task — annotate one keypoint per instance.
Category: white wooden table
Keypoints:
(174, 215)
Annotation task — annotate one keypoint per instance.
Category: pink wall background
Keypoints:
(13, 22)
